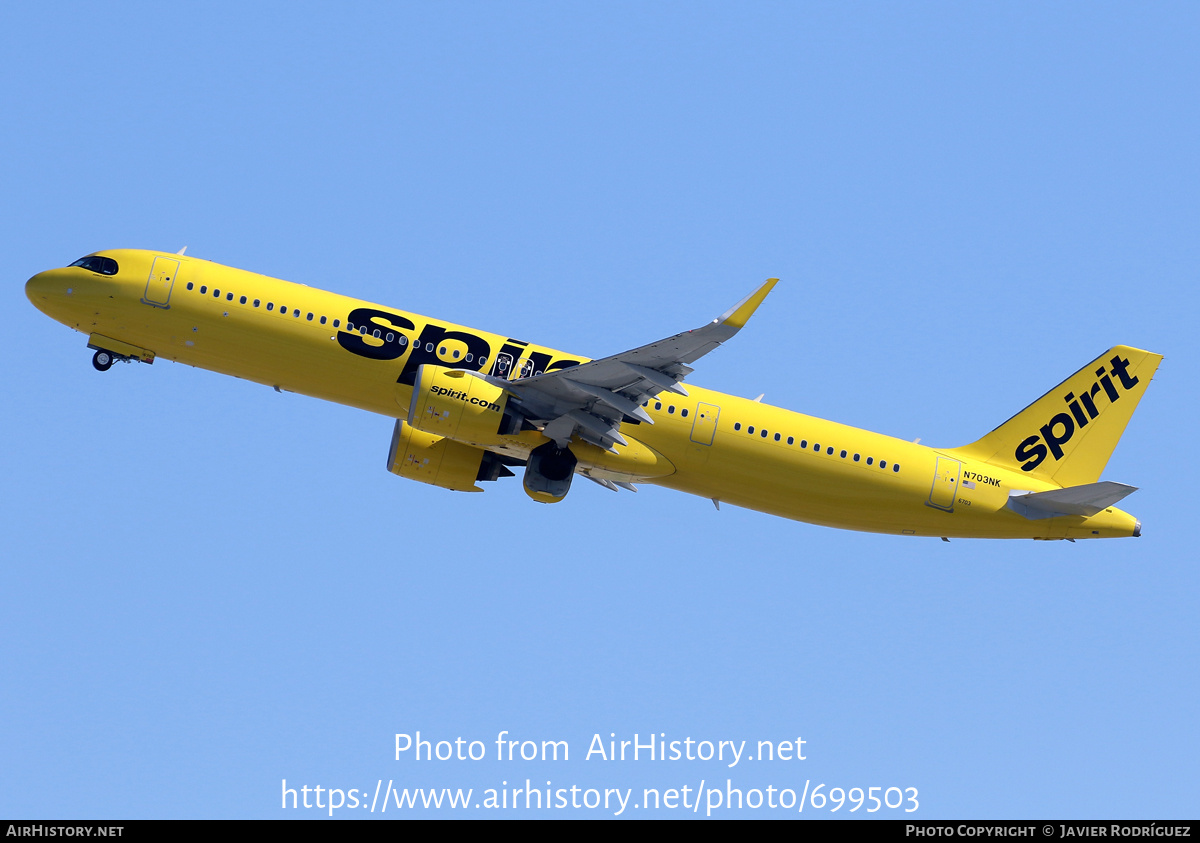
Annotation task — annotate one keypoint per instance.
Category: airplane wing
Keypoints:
(593, 399)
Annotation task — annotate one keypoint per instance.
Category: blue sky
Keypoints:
(209, 587)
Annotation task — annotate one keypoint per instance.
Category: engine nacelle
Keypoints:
(549, 472)
(438, 461)
(456, 405)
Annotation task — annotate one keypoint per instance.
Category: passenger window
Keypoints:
(750, 429)
(763, 434)
(189, 285)
(816, 447)
(270, 305)
(843, 454)
(883, 463)
(870, 460)
(283, 310)
(681, 412)
(737, 425)
(791, 440)
(895, 466)
(803, 443)
(229, 297)
(216, 293)
(203, 289)
(482, 360)
(856, 457)
(658, 405)
(323, 320)
(243, 300)
(335, 322)
(257, 302)
(829, 450)
(777, 437)
(671, 409)
(310, 317)
(296, 313)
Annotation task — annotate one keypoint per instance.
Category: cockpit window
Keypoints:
(96, 263)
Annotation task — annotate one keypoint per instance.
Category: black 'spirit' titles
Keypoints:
(1062, 426)
(356, 342)
(512, 361)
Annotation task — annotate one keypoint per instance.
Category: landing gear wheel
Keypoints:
(102, 360)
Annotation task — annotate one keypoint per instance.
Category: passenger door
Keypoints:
(945, 484)
(162, 279)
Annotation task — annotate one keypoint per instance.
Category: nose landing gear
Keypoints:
(109, 351)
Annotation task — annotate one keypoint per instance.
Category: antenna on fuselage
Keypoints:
(181, 251)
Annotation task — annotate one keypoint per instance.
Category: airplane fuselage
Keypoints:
(732, 450)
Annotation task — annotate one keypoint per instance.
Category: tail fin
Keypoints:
(1067, 435)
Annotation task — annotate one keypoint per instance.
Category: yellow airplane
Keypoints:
(470, 404)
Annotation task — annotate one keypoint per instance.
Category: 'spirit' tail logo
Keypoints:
(1059, 430)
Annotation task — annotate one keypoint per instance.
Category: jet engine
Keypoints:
(457, 405)
(443, 462)
(548, 473)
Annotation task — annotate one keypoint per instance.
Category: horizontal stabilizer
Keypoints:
(1088, 499)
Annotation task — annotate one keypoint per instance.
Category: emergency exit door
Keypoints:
(704, 428)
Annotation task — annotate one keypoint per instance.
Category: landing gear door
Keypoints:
(945, 484)
(162, 279)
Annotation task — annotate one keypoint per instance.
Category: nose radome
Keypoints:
(49, 291)
(37, 287)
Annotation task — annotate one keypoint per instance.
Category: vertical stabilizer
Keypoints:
(1067, 435)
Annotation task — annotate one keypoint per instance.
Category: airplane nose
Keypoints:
(47, 292)
(37, 288)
